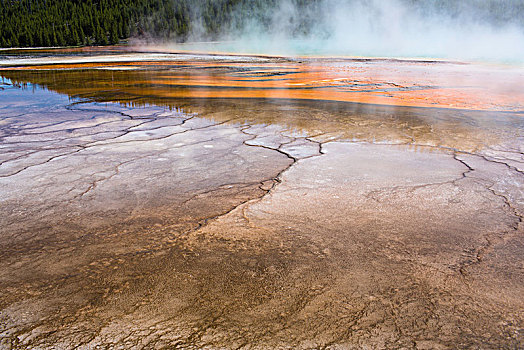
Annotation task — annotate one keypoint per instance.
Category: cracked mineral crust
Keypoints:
(136, 221)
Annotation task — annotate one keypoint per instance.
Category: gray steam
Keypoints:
(485, 30)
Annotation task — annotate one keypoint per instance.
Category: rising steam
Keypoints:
(488, 30)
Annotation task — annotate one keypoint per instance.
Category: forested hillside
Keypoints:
(77, 22)
(25, 23)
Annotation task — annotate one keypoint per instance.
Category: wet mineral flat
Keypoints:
(185, 204)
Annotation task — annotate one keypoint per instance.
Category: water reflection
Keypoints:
(303, 97)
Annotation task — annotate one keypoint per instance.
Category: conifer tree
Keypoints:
(113, 39)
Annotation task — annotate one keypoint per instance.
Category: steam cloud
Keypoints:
(486, 30)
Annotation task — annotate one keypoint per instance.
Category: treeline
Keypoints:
(82, 22)
(30, 23)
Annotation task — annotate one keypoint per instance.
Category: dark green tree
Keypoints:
(113, 36)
